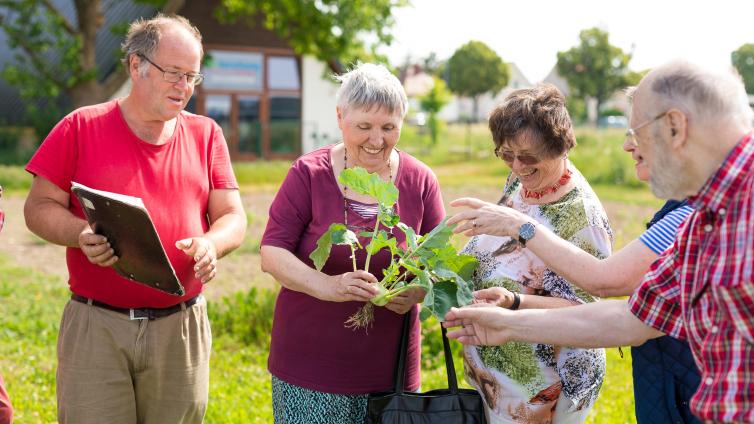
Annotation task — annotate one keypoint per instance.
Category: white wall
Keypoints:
(319, 124)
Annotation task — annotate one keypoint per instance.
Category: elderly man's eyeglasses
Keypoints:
(631, 132)
(509, 157)
(175, 76)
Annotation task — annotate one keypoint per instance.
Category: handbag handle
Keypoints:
(400, 369)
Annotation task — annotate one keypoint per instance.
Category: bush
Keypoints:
(245, 316)
(12, 150)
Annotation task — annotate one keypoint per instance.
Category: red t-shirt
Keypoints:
(94, 146)
(6, 412)
(310, 345)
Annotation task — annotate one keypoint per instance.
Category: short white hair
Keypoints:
(702, 93)
(369, 85)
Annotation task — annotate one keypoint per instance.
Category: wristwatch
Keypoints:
(526, 232)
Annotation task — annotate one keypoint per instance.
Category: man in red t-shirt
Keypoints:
(128, 352)
(6, 411)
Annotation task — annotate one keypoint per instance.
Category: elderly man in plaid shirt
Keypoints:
(693, 127)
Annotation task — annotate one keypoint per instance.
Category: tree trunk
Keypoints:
(90, 19)
(475, 109)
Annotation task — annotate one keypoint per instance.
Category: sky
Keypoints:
(531, 32)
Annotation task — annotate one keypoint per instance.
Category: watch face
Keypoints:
(526, 231)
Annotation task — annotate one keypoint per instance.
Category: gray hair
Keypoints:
(144, 35)
(370, 85)
(702, 93)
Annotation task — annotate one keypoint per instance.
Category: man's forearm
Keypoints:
(601, 324)
(53, 222)
(227, 232)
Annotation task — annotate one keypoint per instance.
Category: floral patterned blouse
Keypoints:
(523, 382)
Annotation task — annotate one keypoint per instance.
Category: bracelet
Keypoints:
(516, 302)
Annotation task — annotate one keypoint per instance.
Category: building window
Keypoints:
(255, 96)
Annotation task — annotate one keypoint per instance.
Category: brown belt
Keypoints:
(139, 313)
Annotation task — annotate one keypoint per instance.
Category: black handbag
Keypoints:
(451, 406)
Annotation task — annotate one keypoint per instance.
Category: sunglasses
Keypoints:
(510, 157)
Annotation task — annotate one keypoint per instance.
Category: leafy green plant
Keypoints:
(428, 262)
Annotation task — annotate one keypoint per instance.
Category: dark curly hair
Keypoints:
(540, 113)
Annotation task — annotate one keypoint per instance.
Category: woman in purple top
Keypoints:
(322, 371)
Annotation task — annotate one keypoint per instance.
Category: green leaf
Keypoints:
(438, 237)
(362, 182)
(425, 313)
(444, 297)
(463, 265)
(411, 239)
(336, 234)
(464, 293)
(388, 217)
(381, 241)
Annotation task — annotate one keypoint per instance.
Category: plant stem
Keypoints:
(374, 234)
(353, 258)
(398, 291)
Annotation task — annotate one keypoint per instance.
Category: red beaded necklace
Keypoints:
(552, 189)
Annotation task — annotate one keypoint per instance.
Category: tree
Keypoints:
(475, 69)
(333, 31)
(432, 103)
(55, 55)
(743, 61)
(594, 68)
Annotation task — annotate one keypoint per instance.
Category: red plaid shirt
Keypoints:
(702, 289)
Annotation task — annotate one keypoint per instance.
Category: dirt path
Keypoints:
(241, 269)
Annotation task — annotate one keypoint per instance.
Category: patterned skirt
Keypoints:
(296, 405)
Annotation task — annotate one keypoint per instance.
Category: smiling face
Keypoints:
(179, 51)
(369, 135)
(535, 177)
(642, 171)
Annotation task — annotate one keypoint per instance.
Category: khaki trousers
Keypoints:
(112, 369)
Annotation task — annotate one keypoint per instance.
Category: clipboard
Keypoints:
(126, 223)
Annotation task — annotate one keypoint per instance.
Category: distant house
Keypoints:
(417, 83)
(270, 102)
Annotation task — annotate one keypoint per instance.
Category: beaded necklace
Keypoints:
(345, 187)
(532, 194)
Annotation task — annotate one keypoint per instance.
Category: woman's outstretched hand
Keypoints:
(486, 218)
(480, 324)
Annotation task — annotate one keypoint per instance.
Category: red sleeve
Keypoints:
(221, 170)
(657, 301)
(56, 158)
(290, 211)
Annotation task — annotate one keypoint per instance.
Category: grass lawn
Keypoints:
(32, 302)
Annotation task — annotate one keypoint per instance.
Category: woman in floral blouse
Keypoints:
(522, 382)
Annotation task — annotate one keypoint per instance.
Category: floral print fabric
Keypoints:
(523, 382)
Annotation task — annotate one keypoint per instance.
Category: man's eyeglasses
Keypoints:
(631, 132)
(509, 157)
(175, 76)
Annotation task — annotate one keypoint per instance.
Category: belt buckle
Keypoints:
(134, 317)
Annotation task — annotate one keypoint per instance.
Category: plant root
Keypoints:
(363, 319)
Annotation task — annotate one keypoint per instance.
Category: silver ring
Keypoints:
(473, 223)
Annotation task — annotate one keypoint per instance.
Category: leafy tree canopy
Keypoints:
(55, 55)
(475, 69)
(594, 68)
(330, 30)
(743, 61)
